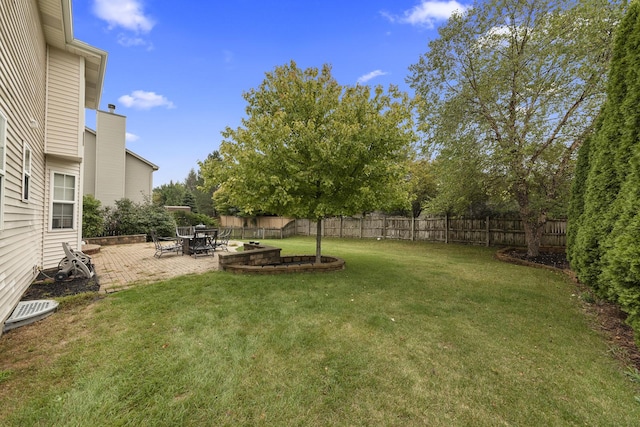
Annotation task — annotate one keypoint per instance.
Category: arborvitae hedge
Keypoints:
(621, 260)
(605, 243)
(576, 201)
(601, 189)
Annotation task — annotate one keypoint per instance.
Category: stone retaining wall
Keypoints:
(251, 255)
(116, 240)
(262, 259)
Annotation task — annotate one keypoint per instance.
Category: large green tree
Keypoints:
(311, 148)
(423, 184)
(525, 79)
(171, 194)
(203, 195)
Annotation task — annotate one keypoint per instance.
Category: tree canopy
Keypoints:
(311, 148)
(520, 82)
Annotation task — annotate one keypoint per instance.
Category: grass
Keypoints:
(408, 334)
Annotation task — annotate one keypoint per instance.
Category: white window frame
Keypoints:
(27, 154)
(54, 201)
(3, 155)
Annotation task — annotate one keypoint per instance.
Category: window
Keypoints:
(3, 149)
(64, 201)
(26, 171)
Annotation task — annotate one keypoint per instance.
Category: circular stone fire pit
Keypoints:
(263, 259)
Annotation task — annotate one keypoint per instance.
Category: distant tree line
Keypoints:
(191, 192)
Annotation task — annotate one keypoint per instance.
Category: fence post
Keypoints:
(361, 225)
(446, 228)
(413, 229)
(341, 219)
(384, 226)
(488, 232)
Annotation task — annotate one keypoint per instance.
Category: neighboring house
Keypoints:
(111, 172)
(47, 80)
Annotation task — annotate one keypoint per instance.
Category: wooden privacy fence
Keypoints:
(483, 231)
(257, 233)
(478, 231)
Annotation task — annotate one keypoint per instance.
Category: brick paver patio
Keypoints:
(122, 266)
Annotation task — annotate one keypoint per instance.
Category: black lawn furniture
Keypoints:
(204, 242)
(223, 239)
(165, 244)
(75, 264)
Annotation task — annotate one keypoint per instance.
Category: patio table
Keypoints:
(203, 241)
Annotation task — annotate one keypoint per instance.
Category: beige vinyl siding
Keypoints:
(65, 111)
(22, 101)
(89, 163)
(139, 179)
(53, 238)
(110, 157)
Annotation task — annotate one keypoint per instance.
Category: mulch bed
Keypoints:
(608, 317)
(46, 287)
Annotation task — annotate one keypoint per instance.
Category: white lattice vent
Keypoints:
(27, 312)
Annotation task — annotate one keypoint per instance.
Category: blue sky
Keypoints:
(177, 70)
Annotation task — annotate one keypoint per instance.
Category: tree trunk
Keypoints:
(533, 235)
(533, 227)
(318, 240)
(533, 221)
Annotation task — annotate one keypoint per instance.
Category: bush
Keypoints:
(132, 218)
(92, 217)
(189, 218)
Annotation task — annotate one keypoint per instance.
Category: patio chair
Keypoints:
(223, 239)
(204, 242)
(165, 244)
(184, 232)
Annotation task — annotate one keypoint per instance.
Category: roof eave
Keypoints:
(142, 159)
(58, 25)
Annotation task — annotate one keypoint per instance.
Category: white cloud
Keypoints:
(128, 14)
(141, 100)
(500, 35)
(131, 137)
(127, 41)
(427, 13)
(371, 75)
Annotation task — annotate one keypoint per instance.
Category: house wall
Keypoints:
(89, 163)
(53, 239)
(65, 109)
(64, 145)
(110, 157)
(22, 102)
(139, 179)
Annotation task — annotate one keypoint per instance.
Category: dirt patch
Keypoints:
(608, 317)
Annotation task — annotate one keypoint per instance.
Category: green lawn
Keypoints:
(408, 334)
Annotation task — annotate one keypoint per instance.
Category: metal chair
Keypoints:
(204, 242)
(172, 245)
(223, 239)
